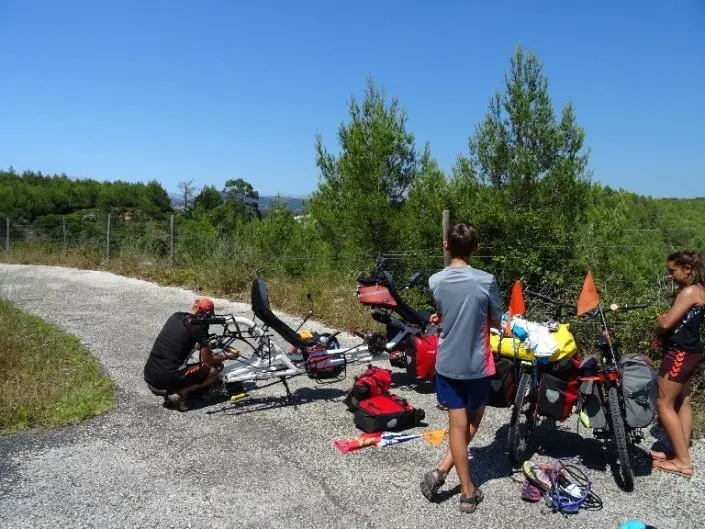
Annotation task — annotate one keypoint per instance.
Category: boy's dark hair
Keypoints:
(462, 240)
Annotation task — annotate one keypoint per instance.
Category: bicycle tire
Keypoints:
(520, 432)
(626, 473)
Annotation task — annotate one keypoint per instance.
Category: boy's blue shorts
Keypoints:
(468, 394)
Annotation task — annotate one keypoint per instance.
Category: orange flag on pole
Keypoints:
(516, 304)
(589, 297)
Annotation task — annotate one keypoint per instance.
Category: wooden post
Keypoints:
(171, 240)
(66, 248)
(107, 243)
(446, 225)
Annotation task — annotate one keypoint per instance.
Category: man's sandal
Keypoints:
(176, 401)
(469, 503)
(666, 465)
(431, 482)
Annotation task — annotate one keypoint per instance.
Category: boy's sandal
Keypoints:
(666, 465)
(469, 503)
(432, 481)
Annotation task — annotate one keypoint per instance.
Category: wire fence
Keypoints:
(172, 242)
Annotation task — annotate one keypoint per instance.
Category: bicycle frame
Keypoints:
(268, 359)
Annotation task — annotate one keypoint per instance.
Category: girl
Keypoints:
(679, 329)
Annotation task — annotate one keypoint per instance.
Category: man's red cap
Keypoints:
(203, 305)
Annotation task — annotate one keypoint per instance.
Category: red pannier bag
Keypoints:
(387, 412)
(375, 381)
(421, 356)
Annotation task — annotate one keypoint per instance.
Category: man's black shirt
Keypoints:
(172, 348)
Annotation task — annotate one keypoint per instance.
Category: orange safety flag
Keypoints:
(435, 437)
(516, 304)
(589, 298)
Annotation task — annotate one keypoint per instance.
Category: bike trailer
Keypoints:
(387, 412)
(373, 382)
(639, 389)
(558, 391)
(420, 352)
(503, 384)
(512, 347)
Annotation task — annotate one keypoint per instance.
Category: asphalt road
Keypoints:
(264, 463)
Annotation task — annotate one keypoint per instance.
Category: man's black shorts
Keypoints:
(188, 376)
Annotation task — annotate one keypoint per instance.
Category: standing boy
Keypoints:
(468, 305)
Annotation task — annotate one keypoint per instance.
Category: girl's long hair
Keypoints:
(695, 261)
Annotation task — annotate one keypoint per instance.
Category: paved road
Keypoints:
(264, 464)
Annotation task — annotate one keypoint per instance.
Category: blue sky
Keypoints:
(214, 89)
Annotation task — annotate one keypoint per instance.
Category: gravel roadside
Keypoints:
(263, 464)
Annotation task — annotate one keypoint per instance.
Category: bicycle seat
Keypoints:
(404, 310)
(262, 309)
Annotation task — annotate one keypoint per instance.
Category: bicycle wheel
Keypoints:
(626, 473)
(523, 420)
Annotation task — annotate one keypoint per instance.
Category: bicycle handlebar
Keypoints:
(546, 298)
(622, 308)
(208, 321)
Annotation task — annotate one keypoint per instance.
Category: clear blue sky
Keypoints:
(215, 89)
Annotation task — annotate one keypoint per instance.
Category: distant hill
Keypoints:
(295, 204)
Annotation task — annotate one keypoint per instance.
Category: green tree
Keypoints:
(242, 197)
(362, 190)
(209, 198)
(533, 175)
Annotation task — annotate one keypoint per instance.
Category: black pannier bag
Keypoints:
(558, 390)
(503, 384)
(639, 390)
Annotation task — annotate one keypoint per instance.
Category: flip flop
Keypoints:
(658, 456)
(538, 475)
(530, 493)
(667, 465)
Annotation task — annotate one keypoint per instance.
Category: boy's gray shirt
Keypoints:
(466, 299)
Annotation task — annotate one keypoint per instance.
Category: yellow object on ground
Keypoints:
(306, 335)
(238, 397)
(435, 437)
(512, 348)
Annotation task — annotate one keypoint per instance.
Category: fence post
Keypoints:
(63, 225)
(107, 244)
(446, 225)
(171, 240)
(7, 234)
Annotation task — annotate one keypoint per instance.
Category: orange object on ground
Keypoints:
(435, 437)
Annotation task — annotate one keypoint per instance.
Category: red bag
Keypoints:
(386, 412)
(375, 381)
(421, 356)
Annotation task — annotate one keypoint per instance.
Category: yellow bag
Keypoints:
(512, 348)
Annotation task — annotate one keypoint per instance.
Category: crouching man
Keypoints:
(166, 372)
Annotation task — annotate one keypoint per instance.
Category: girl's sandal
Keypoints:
(469, 504)
(666, 465)
(432, 481)
(658, 456)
